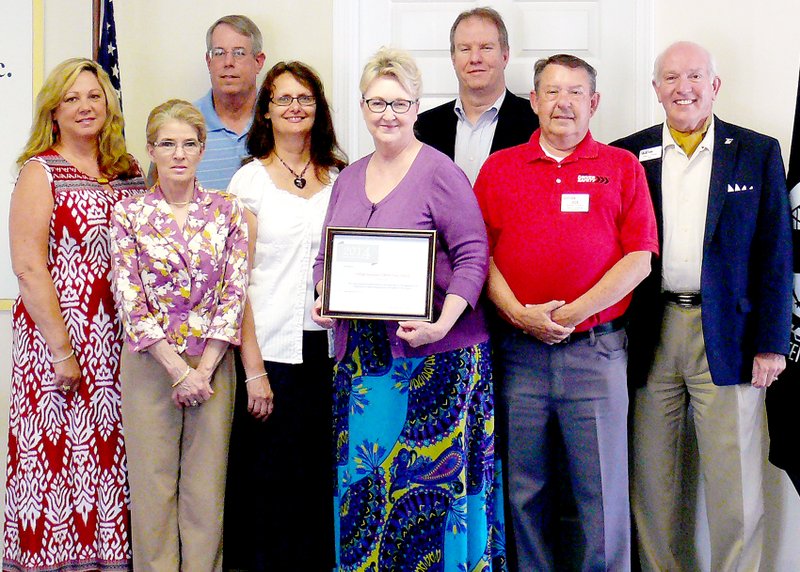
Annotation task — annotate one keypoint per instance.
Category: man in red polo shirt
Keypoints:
(571, 231)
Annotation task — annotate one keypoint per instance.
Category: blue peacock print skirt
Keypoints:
(418, 487)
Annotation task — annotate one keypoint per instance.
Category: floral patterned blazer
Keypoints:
(185, 286)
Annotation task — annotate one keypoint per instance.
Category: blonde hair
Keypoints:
(113, 158)
(175, 110)
(394, 63)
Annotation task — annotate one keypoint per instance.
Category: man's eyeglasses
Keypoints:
(286, 101)
(378, 105)
(220, 53)
(168, 147)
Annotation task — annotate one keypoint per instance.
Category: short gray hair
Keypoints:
(485, 13)
(568, 61)
(712, 63)
(394, 63)
(243, 25)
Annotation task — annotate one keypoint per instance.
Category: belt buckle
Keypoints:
(685, 299)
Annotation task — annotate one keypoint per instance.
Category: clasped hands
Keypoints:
(551, 322)
(193, 390)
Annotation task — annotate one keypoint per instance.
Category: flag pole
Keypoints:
(95, 28)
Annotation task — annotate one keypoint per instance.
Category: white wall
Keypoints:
(757, 48)
(161, 46)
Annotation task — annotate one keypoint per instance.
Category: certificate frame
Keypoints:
(365, 276)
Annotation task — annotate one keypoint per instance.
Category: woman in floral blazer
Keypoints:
(180, 277)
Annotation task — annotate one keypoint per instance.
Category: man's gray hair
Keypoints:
(243, 25)
(712, 63)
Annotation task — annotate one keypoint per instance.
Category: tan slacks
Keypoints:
(177, 460)
(729, 426)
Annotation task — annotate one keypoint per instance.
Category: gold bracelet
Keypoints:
(183, 376)
(65, 358)
(249, 379)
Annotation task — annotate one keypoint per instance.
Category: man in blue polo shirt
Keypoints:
(234, 58)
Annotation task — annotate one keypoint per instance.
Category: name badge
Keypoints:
(650, 154)
(575, 203)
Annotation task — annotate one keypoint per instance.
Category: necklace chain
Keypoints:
(299, 180)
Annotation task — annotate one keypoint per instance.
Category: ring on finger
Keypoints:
(195, 403)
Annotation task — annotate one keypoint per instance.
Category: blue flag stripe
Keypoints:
(107, 53)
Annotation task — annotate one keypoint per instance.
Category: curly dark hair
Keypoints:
(325, 151)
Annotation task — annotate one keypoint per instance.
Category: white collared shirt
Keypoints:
(474, 142)
(281, 287)
(685, 185)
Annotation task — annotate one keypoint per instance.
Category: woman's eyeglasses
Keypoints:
(378, 105)
(286, 101)
(168, 146)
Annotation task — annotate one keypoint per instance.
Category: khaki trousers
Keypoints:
(177, 460)
(729, 426)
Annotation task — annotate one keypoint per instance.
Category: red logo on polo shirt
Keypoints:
(592, 179)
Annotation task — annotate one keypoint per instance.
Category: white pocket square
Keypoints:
(739, 188)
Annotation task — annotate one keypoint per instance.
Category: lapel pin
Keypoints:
(728, 140)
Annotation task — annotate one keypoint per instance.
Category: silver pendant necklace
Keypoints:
(299, 180)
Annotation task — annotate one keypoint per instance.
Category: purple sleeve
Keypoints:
(457, 218)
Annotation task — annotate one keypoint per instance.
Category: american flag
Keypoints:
(107, 54)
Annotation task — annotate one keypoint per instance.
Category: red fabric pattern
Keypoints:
(66, 504)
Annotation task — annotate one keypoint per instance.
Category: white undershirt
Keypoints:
(685, 185)
(281, 287)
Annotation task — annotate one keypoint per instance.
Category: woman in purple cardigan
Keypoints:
(413, 406)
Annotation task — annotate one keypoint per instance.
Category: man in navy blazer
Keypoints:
(486, 117)
(710, 325)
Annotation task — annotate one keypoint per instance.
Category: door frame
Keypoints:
(346, 24)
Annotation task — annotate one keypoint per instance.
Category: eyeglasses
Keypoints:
(378, 105)
(168, 147)
(286, 101)
(220, 53)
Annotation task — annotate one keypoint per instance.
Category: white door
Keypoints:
(615, 36)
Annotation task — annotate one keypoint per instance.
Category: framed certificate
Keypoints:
(379, 274)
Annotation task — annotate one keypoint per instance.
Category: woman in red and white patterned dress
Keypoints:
(66, 502)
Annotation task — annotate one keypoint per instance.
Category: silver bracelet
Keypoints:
(249, 379)
(65, 358)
